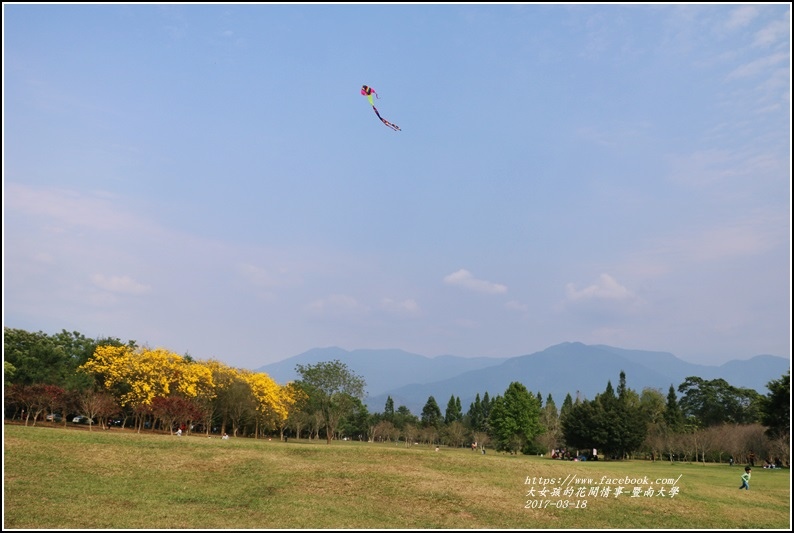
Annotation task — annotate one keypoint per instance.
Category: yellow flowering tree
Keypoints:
(137, 377)
(194, 380)
(268, 407)
(292, 399)
(215, 391)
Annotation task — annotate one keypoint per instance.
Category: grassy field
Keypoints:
(57, 478)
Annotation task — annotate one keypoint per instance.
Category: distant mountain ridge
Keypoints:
(382, 369)
(567, 368)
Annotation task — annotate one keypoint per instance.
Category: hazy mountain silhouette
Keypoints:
(383, 370)
(568, 368)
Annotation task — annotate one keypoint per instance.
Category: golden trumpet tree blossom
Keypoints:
(140, 376)
(267, 396)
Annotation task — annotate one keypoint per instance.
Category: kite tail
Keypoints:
(389, 124)
(395, 127)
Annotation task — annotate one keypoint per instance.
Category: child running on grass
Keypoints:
(746, 479)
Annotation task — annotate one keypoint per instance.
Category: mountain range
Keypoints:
(567, 368)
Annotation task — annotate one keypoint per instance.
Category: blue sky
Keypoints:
(208, 179)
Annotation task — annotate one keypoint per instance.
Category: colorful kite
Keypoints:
(368, 92)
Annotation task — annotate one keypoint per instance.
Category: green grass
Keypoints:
(57, 478)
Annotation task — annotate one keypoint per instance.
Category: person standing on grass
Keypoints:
(746, 479)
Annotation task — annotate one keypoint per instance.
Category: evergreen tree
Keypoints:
(673, 416)
(550, 424)
(567, 404)
(431, 414)
(475, 418)
(514, 418)
(453, 412)
(388, 410)
(622, 385)
(609, 393)
(486, 407)
(776, 407)
(403, 417)
(550, 404)
(614, 424)
(581, 426)
(632, 423)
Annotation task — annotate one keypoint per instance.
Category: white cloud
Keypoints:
(119, 284)
(772, 33)
(605, 303)
(741, 16)
(264, 282)
(98, 210)
(753, 68)
(464, 278)
(746, 237)
(407, 307)
(517, 306)
(606, 288)
(256, 275)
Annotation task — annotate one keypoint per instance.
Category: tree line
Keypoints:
(110, 382)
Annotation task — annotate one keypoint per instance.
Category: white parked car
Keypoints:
(79, 419)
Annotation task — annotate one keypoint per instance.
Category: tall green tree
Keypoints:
(633, 422)
(8, 373)
(550, 424)
(583, 427)
(487, 406)
(776, 407)
(612, 423)
(478, 413)
(431, 414)
(334, 387)
(567, 404)
(673, 417)
(356, 424)
(622, 389)
(453, 412)
(403, 418)
(51, 359)
(36, 358)
(474, 416)
(388, 410)
(514, 418)
(714, 402)
(653, 404)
